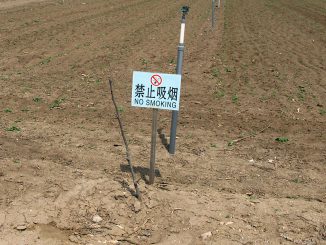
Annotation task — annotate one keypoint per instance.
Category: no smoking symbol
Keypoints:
(156, 80)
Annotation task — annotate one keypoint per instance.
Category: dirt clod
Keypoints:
(21, 227)
(73, 238)
(206, 235)
(137, 206)
(96, 218)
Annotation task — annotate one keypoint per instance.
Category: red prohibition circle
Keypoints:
(156, 80)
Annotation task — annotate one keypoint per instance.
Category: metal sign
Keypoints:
(156, 90)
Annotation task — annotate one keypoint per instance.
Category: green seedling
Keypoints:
(215, 72)
(235, 99)
(37, 99)
(4, 77)
(213, 145)
(282, 139)
(144, 62)
(225, 24)
(98, 81)
(7, 110)
(252, 197)
(263, 98)
(17, 162)
(13, 129)
(322, 112)
(56, 103)
(297, 180)
(231, 143)
(219, 93)
(273, 95)
(120, 109)
(171, 61)
(189, 136)
(46, 61)
(301, 93)
(227, 69)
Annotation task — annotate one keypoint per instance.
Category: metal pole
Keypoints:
(219, 3)
(174, 122)
(213, 13)
(125, 142)
(153, 148)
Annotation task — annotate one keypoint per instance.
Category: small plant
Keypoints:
(25, 110)
(235, 99)
(171, 61)
(227, 69)
(282, 139)
(215, 72)
(189, 136)
(13, 129)
(301, 93)
(56, 103)
(322, 112)
(144, 62)
(219, 93)
(17, 162)
(252, 197)
(46, 61)
(263, 98)
(231, 143)
(225, 24)
(276, 74)
(213, 145)
(297, 180)
(274, 92)
(37, 99)
(120, 109)
(98, 81)
(7, 110)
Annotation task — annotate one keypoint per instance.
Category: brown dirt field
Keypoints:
(260, 75)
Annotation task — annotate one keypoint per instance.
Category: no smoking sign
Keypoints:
(149, 90)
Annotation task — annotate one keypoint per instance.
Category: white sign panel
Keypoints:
(156, 90)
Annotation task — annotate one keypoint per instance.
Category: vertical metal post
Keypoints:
(213, 13)
(219, 3)
(153, 148)
(174, 122)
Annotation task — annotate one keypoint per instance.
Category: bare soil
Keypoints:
(258, 76)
